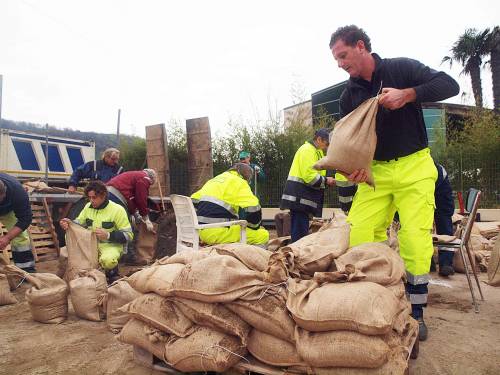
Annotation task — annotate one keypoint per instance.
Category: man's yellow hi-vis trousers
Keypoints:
(405, 185)
(212, 236)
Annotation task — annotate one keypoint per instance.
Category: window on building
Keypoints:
(75, 156)
(55, 161)
(26, 155)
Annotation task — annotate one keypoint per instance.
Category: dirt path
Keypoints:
(460, 341)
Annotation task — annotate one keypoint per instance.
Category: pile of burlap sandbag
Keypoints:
(314, 306)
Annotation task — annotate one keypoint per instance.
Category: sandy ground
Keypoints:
(460, 341)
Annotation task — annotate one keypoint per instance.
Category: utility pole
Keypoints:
(118, 129)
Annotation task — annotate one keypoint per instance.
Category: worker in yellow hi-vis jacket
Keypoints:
(228, 197)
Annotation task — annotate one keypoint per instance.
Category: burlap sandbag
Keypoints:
(353, 142)
(276, 243)
(360, 306)
(341, 349)
(140, 334)
(6, 297)
(213, 315)
(156, 279)
(219, 278)
(87, 291)
(268, 315)
(458, 264)
(81, 245)
(494, 265)
(272, 350)
(160, 313)
(316, 252)
(119, 293)
(48, 296)
(145, 245)
(185, 257)
(254, 257)
(375, 262)
(204, 350)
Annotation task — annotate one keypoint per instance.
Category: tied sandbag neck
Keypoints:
(205, 355)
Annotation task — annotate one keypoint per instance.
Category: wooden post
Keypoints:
(199, 145)
(157, 156)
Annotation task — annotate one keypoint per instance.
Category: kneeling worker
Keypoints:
(228, 197)
(109, 221)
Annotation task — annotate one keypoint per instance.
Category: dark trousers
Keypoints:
(299, 225)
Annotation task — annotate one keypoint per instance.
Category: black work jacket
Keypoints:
(400, 132)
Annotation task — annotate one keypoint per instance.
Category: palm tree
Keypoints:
(469, 50)
(494, 46)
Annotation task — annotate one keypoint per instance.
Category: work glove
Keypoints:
(257, 169)
(149, 224)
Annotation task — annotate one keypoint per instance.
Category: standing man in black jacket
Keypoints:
(403, 169)
(15, 215)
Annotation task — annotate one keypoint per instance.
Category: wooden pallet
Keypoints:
(249, 365)
(42, 233)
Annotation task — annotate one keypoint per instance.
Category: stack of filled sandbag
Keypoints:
(314, 306)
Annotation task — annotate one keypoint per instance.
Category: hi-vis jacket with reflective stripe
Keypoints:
(227, 197)
(113, 219)
(305, 186)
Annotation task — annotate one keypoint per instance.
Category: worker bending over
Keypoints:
(131, 190)
(110, 223)
(228, 197)
(15, 215)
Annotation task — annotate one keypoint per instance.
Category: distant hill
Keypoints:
(102, 141)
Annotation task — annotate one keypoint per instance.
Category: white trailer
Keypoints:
(22, 155)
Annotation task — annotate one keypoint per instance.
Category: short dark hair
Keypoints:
(97, 186)
(323, 133)
(350, 35)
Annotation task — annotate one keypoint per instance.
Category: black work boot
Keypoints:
(422, 329)
(112, 275)
(446, 271)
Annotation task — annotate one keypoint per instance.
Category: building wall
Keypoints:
(298, 113)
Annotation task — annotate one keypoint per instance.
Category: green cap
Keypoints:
(244, 154)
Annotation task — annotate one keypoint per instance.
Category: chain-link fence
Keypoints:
(464, 173)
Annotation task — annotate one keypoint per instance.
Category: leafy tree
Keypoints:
(469, 50)
(133, 153)
(494, 48)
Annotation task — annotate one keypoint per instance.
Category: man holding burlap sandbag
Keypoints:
(110, 223)
(402, 169)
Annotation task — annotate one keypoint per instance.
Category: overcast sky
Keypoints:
(74, 63)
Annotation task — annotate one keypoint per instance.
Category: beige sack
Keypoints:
(268, 315)
(184, 257)
(140, 334)
(375, 262)
(316, 252)
(273, 351)
(254, 257)
(159, 313)
(458, 264)
(156, 279)
(219, 278)
(353, 141)
(87, 291)
(204, 350)
(119, 293)
(6, 297)
(145, 245)
(276, 243)
(494, 265)
(48, 296)
(215, 316)
(81, 245)
(359, 306)
(341, 349)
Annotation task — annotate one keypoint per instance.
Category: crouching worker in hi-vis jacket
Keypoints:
(228, 197)
(110, 223)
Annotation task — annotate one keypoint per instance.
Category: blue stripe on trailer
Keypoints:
(75, 156)
(42, 138)
(55, 162)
